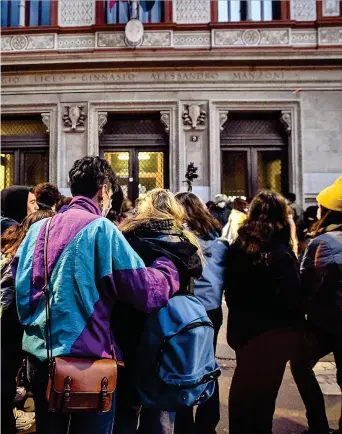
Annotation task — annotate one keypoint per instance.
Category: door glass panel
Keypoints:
(151, 171)
(120, 164)
(36, 168)
(270, 170)
(234, 174)
(7, 171)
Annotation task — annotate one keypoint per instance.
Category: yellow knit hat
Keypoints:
(331, 197)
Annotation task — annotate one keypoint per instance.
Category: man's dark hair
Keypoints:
(89, 174)
(291, 197)
(47, 194)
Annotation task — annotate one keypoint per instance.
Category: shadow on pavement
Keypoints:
(283, 425)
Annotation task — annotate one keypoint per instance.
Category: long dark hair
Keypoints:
(328, 217)
(14, 235)
(267, 224)
(198, 218)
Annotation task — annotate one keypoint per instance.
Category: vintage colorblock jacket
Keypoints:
(90, 267)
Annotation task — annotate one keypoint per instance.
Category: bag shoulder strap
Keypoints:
(48, 336)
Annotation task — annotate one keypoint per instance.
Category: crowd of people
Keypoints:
(107, 266)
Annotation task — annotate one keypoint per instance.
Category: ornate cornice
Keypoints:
(172, 39)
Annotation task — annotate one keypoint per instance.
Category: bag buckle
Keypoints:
(52, 365)
(104, 393)
(66, 392)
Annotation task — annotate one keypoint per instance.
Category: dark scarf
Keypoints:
(14, 202)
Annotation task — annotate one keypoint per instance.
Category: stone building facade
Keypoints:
(252, 103)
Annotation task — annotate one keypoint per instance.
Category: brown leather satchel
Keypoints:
(76, 384)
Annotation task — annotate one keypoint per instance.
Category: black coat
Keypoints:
(261, 296)
(151, 241)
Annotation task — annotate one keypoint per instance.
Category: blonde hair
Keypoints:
(159, 204)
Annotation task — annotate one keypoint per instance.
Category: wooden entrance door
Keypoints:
(137, 148)
(254, 155)
(139, 169)
(246, 170)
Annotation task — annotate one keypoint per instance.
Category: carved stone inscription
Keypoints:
(93, 78)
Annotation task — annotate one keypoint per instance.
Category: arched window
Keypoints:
(15, 13)
(249, 10)
(119, 12)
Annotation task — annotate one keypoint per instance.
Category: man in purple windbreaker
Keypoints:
(90, 266)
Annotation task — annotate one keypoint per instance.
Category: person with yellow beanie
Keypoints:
(331, 197)
(321, 275)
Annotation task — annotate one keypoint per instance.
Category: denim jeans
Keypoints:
(58, 423)
(316, 345)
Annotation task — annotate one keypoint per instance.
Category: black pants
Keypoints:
(207, 414)
(260, 367)
(11, 359)
(8, 392)
(316, 345)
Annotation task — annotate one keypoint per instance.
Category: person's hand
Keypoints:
(293, 230)
(137, 409)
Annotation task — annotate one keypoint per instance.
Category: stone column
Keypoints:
(22, 13)
(76, 13)
(50, 120)
(73, 138)
(191, 11)
(195, 135)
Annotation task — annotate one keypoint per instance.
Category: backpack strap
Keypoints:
(189, 290)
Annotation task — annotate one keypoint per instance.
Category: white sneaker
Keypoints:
(23, 420)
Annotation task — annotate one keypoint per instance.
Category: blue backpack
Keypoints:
(176, 360)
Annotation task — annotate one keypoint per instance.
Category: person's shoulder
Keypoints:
(329, 241)
(103, 228)
(320, 241)
(36, 228)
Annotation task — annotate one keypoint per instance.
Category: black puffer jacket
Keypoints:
(263, 295)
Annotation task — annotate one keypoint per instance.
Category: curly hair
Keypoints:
(267, 224)
(197, 217)
(240, 204)
(89, 174)
(47, 194)
(14, 235)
